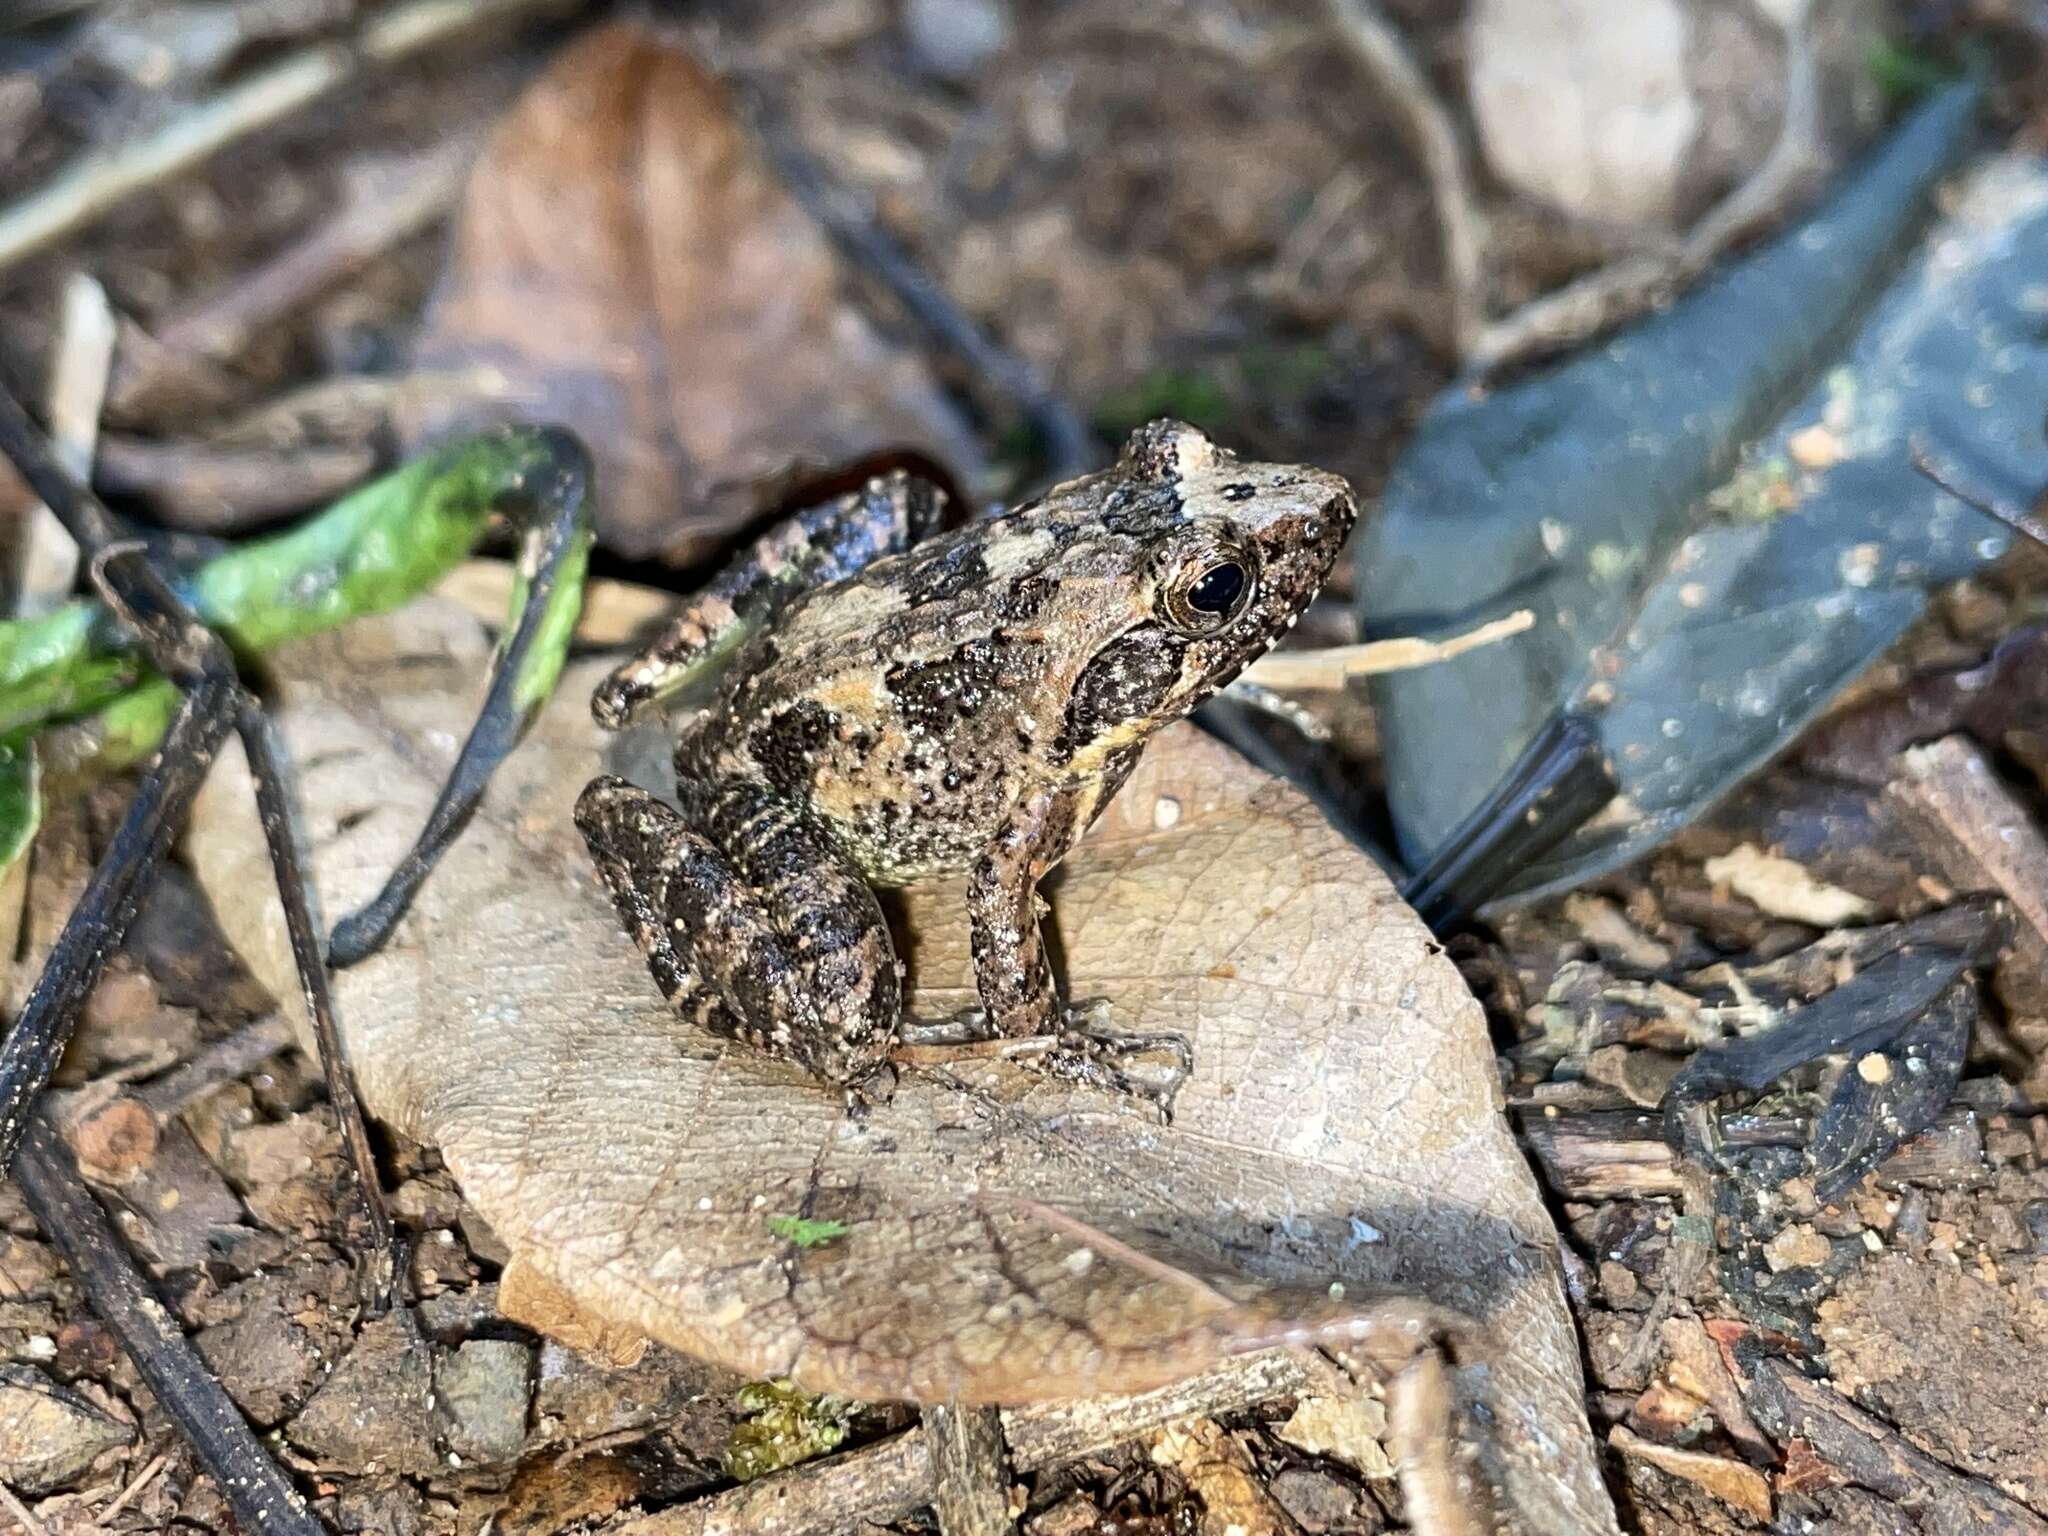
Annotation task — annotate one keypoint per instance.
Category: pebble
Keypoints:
(49, 1436)
(481, 1395)
(954, 39)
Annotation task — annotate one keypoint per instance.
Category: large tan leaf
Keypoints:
(1340, 1132)
(627, 264)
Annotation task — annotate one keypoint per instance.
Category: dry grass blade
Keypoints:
(98, 180)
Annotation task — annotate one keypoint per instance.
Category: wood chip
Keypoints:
(1782, 888)
(1729, 1481)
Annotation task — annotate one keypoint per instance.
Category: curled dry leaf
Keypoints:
(1005, 1238)
(627, 264)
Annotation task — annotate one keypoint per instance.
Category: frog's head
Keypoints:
(1232, 552)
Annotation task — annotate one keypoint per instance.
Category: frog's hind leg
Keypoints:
(750, 921)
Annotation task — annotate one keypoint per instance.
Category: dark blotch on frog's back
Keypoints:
(1148, 511)
(787, 742)
(943, 570)
(1025, 599)
(935, 696)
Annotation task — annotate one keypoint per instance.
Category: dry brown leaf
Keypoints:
(626, 264)
(1340, 1137)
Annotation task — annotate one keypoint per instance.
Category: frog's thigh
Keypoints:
(1010, 968)
(818, 901)
(709, 932)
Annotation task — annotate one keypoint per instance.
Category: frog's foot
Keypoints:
(1085, 1049)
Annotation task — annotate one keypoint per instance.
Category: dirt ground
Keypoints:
(1162, 210)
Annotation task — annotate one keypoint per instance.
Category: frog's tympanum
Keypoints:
(899, 703)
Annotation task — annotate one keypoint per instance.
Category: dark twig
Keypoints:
(273, 808)
(98, 180)
(1990, 500)
(32, 1048)
(1069, 444)
(386, 203)
(218, 1065)
(1380, 51)
(263, 1501)
(192, 656)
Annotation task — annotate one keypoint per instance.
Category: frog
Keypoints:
(888, 697)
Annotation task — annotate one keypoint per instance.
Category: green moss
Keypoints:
(784, 1426)
(1906, 73)
(1198, 398)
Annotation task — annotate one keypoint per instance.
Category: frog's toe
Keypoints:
(1152, 1067)
(876, 1087)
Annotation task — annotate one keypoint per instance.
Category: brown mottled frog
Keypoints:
(900, 702)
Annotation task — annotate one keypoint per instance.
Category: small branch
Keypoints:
(1380, 51)
(29, 1524)
(1873, 1455)
(386, 203)
(970, 1474)
(1328, 669)
(78, 389)
(263, 1500)
(141, 1481)
(1991, 501)
(203, 487)
(218, 1065)
(1615, 293)
(885, 1483)
(96, 181)
(851, 225)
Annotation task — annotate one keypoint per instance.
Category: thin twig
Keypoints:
(1327, 668)
(46, 561)
(887, 1482)
(386, 203)
(1993, 502)
(203, 487)
(851, 225)
(218, 1065)
(1615, 293)
(1380, 51)
(98, 180)
(141, 1481)
(20, 1511)
(262, 1498)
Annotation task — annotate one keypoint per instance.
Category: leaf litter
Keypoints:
(627, 264)
(1337, 1159)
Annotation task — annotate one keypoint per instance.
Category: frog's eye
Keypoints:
(1218, 588)
(1207, 594)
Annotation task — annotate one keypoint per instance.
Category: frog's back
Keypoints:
(909, 708)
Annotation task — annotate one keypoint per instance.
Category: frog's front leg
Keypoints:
(1010, 968)
(1020, 1000)
(753, 924)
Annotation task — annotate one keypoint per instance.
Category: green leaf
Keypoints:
(805, 1232)
(21, 812)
